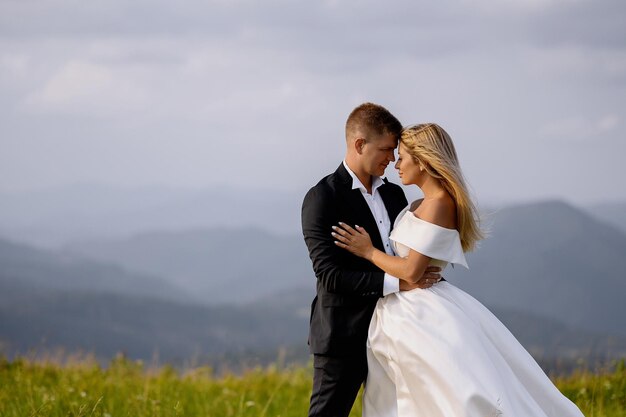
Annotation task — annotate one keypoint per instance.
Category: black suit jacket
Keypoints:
(347, 286)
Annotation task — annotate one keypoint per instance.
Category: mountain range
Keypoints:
(218, 266)
(554, 260)
(553, 273)
(546, 258)
(43, 270)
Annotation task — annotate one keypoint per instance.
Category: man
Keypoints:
(347, 286)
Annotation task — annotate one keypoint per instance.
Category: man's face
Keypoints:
(377, 152)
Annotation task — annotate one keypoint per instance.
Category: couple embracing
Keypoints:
(383, 315)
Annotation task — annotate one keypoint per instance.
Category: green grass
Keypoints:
(128, 388)
(601, 394)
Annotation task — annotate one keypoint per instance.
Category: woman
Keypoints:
(439, 352)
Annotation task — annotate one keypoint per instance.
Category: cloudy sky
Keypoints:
(202, 93)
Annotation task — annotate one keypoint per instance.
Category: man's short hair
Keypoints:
(374, 118)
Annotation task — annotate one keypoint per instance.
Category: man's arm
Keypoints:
(318, 215)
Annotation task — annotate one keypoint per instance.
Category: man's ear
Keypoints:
(359, 143)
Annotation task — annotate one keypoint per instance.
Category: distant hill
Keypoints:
(217, 265)
(106, 324)
(141, 327)
(611, 213)
(43, 270)
(50, 301)
(553, 260)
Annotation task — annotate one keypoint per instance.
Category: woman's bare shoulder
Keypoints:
(440, 211)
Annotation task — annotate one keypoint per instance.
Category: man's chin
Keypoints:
(377, 172)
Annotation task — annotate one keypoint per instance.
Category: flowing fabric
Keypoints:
(440, 353)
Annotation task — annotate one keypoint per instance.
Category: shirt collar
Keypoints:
(356, 182)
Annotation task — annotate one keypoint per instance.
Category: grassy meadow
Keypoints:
(129, 388)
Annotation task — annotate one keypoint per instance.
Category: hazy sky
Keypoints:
(199, 93)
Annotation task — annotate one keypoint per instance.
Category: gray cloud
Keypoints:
(581, 23)
(200, 93)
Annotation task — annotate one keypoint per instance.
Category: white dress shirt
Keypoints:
(375, 202)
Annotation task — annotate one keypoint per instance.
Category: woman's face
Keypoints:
(408, 168)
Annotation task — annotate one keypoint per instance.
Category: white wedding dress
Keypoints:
(440, 353)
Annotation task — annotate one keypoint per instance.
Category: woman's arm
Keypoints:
(357, 241)
(441, 212)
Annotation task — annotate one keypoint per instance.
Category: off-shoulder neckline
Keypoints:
(413, 216)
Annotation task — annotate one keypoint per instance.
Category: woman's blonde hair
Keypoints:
(431, 146)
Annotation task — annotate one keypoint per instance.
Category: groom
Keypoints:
(347, 286)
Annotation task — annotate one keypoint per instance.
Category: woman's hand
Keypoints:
(356, 240)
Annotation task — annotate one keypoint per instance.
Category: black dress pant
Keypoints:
(336, 383)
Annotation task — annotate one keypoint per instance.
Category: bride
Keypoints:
(438, 352)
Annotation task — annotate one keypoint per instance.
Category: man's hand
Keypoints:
(431, 276)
